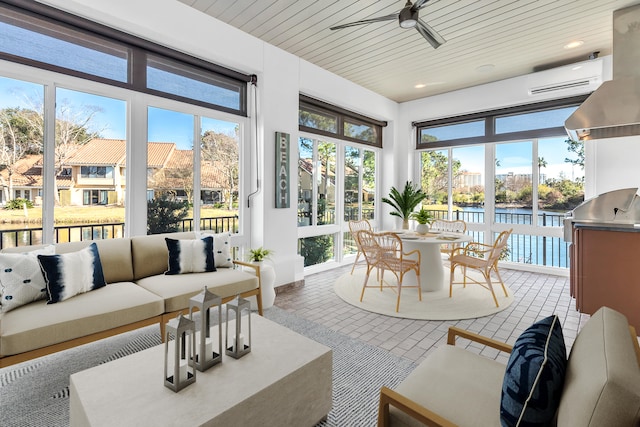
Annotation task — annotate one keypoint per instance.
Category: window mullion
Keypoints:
(49, 169)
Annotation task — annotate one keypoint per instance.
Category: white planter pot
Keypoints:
(268, 279)
(422, 228)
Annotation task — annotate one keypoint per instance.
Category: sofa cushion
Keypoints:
(149, 253)
(602, 385)
(177, 289)
(457, 384)
(21, 280)
(115, 255)
(71, 274)
(534, 377)
(190, 255)
(39, 324)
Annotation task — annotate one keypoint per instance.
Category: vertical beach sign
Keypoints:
(282, 170)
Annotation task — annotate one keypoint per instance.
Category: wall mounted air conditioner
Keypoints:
(574, 79)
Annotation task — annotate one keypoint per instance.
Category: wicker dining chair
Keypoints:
(448, 226)
(480, 257)
(384, 252)
(355, 226)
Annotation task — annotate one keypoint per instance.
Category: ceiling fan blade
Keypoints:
(419, 4)
(367, 21)
(430, 34)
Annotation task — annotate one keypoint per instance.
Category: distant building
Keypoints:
(515, 181)
(95, 175)
(468, 180)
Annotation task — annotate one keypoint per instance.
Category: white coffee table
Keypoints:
(284, 380)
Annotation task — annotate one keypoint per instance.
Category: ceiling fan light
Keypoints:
(408, 18)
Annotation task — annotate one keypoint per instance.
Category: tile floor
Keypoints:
(536, 296)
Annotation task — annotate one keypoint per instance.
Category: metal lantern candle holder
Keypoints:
(239, 344)
(205, 301)
(178, 372)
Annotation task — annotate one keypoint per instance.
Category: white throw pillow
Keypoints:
(221, 249)
(21, 280)
(72, 273)
(190, 255)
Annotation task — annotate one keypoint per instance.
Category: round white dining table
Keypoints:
(432, 271)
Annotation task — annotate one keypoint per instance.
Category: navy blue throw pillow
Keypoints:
(534, 377)
(71, 274)
(190, 256)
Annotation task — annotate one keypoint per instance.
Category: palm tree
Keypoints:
(542, 163)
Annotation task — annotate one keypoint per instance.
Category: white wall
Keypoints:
(281, 77)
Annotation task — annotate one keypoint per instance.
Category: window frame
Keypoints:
(489, 118)
(57, 21)
(308, 103)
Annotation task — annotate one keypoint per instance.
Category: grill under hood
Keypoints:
(613, 110)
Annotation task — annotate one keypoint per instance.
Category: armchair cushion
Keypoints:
(457, 384)
(534, 378)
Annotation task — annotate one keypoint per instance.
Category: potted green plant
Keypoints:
(422, 217)
(259, 255)
(404, 203)
(267, 277)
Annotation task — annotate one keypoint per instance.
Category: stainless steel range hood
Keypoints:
(613, 110)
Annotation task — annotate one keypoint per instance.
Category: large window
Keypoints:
(71, 136)
(323, 188)
(526, 182)
(336, 178)
(88, 161)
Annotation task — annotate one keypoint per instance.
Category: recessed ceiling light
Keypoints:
(573, 44)
(485, 68)
(423, 85)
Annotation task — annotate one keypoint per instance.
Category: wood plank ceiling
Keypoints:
(487, 40)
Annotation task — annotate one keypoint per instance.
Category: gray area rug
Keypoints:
(36, 393)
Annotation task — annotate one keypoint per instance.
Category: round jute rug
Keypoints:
(466, 303)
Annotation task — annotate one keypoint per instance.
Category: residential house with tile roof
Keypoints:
(95, 174)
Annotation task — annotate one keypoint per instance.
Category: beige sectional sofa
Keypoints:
(137, 294)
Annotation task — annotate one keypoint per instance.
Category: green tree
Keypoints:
(74, 127)
(221, 150)
(369, 170)
(434, 177)
(18, 137)
(317, 121)
(165, 214)
(542, 163)
(576, 147)
(316, 250)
